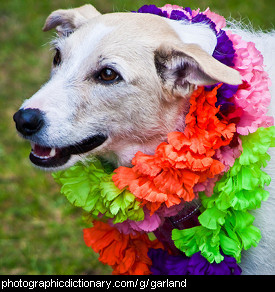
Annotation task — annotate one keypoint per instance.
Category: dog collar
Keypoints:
(195, 192)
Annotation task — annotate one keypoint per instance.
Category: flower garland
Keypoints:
(218, 159)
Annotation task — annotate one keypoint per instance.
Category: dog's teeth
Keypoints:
(52, 153)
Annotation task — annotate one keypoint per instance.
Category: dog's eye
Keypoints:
(108, 75)
(57, 58)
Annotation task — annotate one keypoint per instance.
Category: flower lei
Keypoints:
(218, 159)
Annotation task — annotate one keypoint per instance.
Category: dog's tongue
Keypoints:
(41, 151)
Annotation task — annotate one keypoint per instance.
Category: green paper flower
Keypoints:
(90, 187)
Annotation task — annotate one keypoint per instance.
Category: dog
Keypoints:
(119, 83)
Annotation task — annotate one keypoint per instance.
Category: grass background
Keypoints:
(40, 233)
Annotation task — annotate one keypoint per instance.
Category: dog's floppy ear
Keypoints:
(182, 67)
(67, 20)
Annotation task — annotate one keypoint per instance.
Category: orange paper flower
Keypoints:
(184, 160)
(126, 253)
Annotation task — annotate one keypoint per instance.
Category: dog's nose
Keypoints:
(28, 121)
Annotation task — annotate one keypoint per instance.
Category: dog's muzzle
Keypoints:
(30, 121)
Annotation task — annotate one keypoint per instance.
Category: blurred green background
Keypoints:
(40, 233)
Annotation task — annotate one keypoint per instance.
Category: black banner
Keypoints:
(137, 283)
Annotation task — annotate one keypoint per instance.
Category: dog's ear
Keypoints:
(183, 67)
(67, 20)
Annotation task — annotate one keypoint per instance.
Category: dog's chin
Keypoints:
(53, 158)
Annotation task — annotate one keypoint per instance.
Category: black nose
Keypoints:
(28, 121)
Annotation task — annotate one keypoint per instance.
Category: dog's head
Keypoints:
(119, 83)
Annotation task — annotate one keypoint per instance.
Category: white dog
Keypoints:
(119, 83)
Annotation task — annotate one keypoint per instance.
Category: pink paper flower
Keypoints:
(254, 97)
(149, 224)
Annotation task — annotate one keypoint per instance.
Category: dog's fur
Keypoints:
(160, 62)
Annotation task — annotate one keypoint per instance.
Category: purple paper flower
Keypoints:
(152, 9)
(224, 95)
(179, 15)
(165, 264)
(198, 265)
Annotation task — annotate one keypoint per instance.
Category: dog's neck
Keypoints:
(125, 152)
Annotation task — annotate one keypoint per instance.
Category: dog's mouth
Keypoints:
(47, 157)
